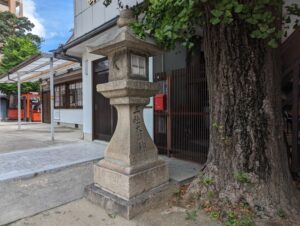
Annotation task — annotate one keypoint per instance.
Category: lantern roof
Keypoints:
(125, 38)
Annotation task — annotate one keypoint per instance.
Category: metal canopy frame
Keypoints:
(42, 66)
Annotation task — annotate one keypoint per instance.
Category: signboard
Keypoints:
(91, 2)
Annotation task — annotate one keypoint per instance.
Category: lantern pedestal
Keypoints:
(130, 178)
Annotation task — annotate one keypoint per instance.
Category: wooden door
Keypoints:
(46, 107)
(104, 115)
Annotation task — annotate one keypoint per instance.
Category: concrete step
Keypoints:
(33, 181)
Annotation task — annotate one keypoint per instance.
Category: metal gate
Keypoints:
(181, 129)
(46, 107)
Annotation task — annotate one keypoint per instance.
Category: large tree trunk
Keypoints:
(246, 133)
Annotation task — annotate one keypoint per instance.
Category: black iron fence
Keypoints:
(181, 116)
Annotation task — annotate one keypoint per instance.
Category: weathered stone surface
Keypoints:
(132, 184)
(128, 88)
(126, 17)
(130, 208)
(124, 38)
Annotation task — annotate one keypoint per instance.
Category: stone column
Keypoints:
(131, 177)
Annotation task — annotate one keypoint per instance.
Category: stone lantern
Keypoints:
(131, 178)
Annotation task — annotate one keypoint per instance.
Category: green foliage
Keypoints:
(232, 219)
(246, 221)
(112, 215)
(210, 195)
(214, 215)
(8, 88)
(13, 26)
(177, 192)
(281, 213)
(207, 181)
(191, 215)
(173, 21)
(242, 178)
(11, 88)
(16, 50)
(165, 28)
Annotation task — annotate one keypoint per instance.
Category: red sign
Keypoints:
(160, 102)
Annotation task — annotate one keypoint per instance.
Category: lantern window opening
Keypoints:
(138, 65)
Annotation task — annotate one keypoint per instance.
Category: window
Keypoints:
(68, 95)
(75, 95)
(60, 96)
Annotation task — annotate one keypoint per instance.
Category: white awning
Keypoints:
(36, 68)
(42, 66)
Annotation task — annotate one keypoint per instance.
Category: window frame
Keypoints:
(67, 97)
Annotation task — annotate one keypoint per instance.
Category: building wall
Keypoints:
(14, 6)
(172, 60)
(3, 8)
(87, 75)
(89, 17)
(69, 116)
(293, 18)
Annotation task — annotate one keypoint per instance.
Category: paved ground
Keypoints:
(26, 163)
(30, 162)
(29, 151)
(34, 136)
(84, 213)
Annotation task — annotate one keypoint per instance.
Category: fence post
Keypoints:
(169, 113)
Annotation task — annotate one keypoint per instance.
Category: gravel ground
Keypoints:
(84, 213)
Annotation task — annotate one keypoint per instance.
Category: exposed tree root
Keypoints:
(244, 198)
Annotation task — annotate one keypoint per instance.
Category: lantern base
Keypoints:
(127, 186)
(128, 209)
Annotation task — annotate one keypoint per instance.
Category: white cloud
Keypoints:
(32, 15)
(52, 35)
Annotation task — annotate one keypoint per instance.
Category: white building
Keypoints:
(93, 21)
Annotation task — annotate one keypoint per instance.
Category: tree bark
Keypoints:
(246, 134)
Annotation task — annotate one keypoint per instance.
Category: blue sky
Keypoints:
(53, 20)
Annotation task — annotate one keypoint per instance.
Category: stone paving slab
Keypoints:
(182, 171)
(34, 136)
(28, 163)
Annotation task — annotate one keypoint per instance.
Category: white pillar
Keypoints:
(19, 102)
(52, 97)
(41, 103)
(1, 116)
